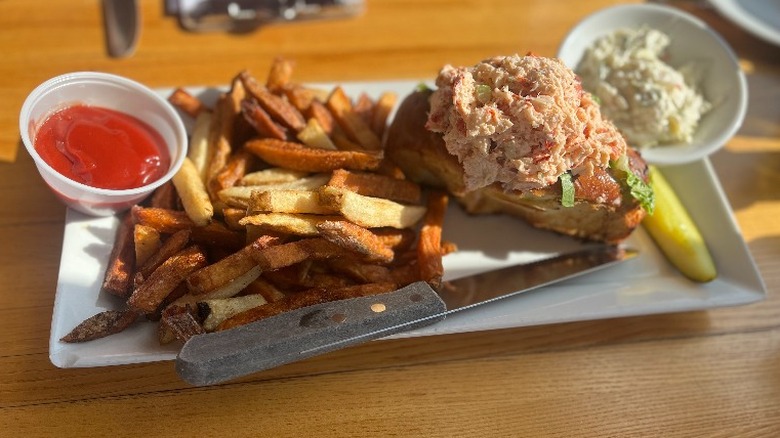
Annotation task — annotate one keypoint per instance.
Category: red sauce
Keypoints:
(102, 148)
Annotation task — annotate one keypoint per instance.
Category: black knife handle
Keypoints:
(217, 357)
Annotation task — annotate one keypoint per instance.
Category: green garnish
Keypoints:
(422, 86)
(640, 190)
(484, 93)
(567, 190)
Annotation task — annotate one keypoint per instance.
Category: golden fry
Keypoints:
(298, 157)
(352, 123)
(118, 279)
(370, 212)
(376, 185)
(356, 239)
(148, 297)
(194, 197)
(429, 252)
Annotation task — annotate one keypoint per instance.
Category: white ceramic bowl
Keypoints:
(108, 91)
(723, 82)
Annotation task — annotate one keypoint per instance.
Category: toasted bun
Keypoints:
(603, 211)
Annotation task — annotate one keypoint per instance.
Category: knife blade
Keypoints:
(302, 333)
(121, 24)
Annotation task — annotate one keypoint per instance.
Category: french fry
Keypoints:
(270, 258)
(356, 239)
(163, 220)
(273, 175)
(263, 287)
(382, 110)
(239, 196)
(101, 325)
(362, 272)
(376, 185)
(186, 102)
(220, 309)
(178, 323)
(364, 107)
(199, 150)
(194, 197)
(298, 157)
(429, 252)
(297, 224)
(147, 297)
(216, 275)
(118, 279)
(223, 124)
(171, 246)
(146, 242)
(370, 212)
(165, 197)
(313, 135)
(233, 170)
(280, 74)
(287, 201)
(259, 119)
(352, 123)
(279, 109)
(303, 299)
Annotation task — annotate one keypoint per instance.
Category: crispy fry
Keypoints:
(304, 299)
(399, 239)
(354, 125)
(165, 197)
(313, 135)
(364, 107)
(232, 171)
(231, 216)
(270, 258)
(216, 275)
(259, 119)
(199, 150)
(220, 309)
(118, 278)
(279, 109)
(186, 102)
(175, 243)
(280, 74)
(147, 297)
(272, 175)
(356, 239)
(101, 325)
(298, 157)
(287, 201)
(221, 133)
(239, 196)
(179, 322)
(262, 287)
(378, 186)
(147, 242)
(300, 97)
(382, 109)
(193, 194)
(288, 223)
(371, 212)
(429, 252)
(162, 219)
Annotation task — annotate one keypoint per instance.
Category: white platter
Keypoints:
(758, 17)
(642, 286)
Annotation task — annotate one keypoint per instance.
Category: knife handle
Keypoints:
(302, 333)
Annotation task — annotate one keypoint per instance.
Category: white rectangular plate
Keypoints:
(642, 286)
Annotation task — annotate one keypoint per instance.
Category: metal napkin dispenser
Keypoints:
(247, 15)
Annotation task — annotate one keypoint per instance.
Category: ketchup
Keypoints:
(102, 148)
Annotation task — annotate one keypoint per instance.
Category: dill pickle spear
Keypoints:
(676, 234)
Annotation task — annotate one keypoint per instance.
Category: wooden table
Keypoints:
(709, 373)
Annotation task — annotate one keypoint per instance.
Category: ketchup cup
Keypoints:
(106, 91)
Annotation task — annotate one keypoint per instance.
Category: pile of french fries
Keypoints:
(285, 200)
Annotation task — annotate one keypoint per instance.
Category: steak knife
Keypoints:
(217, 357)
(122, 24)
